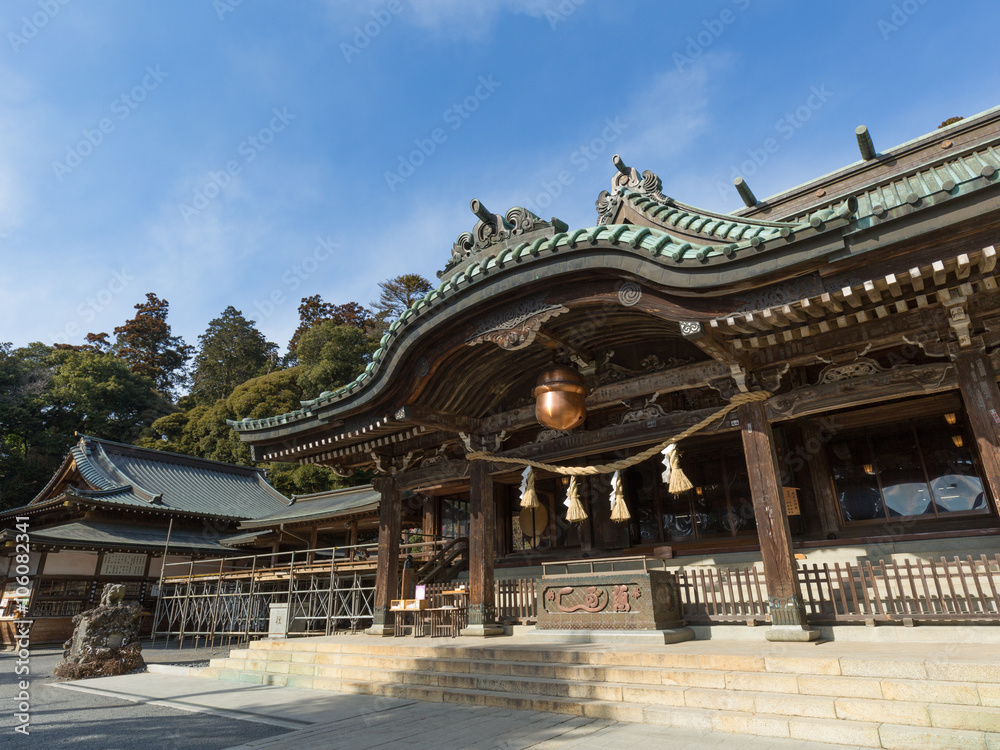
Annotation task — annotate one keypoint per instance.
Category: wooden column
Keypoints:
(788, 619)
(390, 522)
(482, 551)
(312, 544)
(352, 538)
(978, 384)
(814, 440)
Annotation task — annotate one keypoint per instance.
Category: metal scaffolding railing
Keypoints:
(230, 598)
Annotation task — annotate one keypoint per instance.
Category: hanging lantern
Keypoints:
(560, 398)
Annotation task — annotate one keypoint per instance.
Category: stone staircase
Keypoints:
(879, 701)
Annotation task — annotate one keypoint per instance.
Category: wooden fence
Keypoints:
(514, 598)
(955, 590)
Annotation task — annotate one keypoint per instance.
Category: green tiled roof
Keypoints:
(737, 235)
(127, 475)
(662, 247)
(320, 505)
(104, 534)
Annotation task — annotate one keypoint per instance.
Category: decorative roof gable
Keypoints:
(494, 232)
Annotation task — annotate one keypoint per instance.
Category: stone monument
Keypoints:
(105, 640)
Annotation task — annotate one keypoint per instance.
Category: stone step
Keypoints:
(864, 722)
(891, 706)
(388, 654)
(339, 666)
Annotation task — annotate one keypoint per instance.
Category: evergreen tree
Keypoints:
(48, 394)
(396, 296)
(146, 343)
(96, 342)
(232, 352)
(314, 310)
(331, 355)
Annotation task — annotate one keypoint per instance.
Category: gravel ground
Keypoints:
(71, 719)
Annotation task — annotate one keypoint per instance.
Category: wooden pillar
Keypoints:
(352, 538)
(788, 618)
(978, 384)
(390, 523)
(814, 440)
(482, 551)
(312, 545)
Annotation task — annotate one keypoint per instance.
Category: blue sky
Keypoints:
(253, 152)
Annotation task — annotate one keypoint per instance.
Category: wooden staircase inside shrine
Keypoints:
(882, 696)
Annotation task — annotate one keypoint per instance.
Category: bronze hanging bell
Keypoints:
(560, 398)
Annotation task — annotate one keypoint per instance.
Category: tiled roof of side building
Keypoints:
(99, 534)
(320, 505)
(128, 475)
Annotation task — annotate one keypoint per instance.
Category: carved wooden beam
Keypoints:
(442, 473)
(456, 423)
(899, 382)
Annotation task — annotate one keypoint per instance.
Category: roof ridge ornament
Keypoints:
(498, 229)
(648, 184)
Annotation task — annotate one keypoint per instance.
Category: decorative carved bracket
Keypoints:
(930, 342)
(860, 367)
(960, 323)
(515, 326)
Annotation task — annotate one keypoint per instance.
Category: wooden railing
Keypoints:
(723, 595)
(956, 590)
(514, 598)
(943, 590)
(960, 589)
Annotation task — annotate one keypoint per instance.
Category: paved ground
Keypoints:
(357, 722)
(85, 721)
(157, 711)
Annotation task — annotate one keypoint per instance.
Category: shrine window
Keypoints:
(454, 517)
(922, 468)
(719, 504)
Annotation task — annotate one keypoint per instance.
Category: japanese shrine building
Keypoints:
(115, 513)
(860, 308)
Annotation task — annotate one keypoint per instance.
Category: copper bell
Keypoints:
(560, 398)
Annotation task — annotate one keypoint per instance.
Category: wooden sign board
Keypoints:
(791, 497)
(123, 564)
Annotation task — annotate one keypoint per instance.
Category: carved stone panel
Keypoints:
(640, 600)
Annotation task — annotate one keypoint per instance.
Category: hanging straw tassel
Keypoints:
(528, 497)
(619, 511)
(678, 479)
(576, 513)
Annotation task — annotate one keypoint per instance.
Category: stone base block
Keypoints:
(382, 630)
(792, 634)
(657, 637)
(483, 630)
